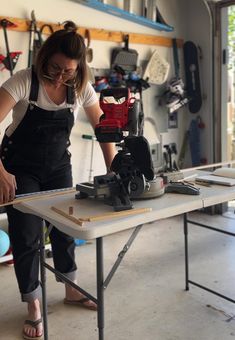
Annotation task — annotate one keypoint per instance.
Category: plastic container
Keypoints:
(79, 242)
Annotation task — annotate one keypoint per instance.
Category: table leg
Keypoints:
(186, 252)
(100, 286)
(188, 281)
(43, 281)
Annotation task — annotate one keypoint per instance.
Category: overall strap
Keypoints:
(70, 95)
(34, 87)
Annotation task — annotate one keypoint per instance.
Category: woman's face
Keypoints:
(61, 69)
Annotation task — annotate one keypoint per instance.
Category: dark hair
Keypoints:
(70, 43)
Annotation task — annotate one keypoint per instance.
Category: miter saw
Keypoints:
(132, 174)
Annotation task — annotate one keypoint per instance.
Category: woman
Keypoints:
(34, 157)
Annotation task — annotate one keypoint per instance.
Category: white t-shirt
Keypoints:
(19, 85)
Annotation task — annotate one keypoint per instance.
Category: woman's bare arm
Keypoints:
(7, 180)
(93, 113)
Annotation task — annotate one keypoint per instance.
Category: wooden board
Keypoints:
(98, 34)
(35, 196)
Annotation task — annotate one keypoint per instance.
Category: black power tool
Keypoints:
(132, 169)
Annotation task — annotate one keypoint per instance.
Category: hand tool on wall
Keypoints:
(170, 150)
(174, 152)
(12, 57)
(50, 28)
(89, 51)
(169, 153)
(166, 160)
(31, 40)
(35, 40)
(124, 57)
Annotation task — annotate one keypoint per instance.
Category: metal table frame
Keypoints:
(187, 280)
(102, 283)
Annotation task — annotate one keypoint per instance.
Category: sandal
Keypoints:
(82, 302)
(34, 324)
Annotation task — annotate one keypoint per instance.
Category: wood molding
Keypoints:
(23, 25)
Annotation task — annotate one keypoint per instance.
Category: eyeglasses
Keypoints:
(55, 70)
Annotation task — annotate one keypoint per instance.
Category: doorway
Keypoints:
(226, 52)
(231, 84)
(227, 57)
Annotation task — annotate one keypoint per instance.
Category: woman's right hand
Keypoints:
(7, 186)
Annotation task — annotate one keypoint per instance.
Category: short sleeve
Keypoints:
(89, 97)
(18, 86)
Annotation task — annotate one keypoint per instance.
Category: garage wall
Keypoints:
(183, 15)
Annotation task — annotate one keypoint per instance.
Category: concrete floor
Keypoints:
(146, 299)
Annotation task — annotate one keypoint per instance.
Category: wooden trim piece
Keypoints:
(207, 166)
(69, 217)
(22, 25)
(101, 217)
(115, 214)
(38, 196)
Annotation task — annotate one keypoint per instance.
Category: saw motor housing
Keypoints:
(121, 123)
(120, 115)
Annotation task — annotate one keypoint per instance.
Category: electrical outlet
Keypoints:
(172, 120)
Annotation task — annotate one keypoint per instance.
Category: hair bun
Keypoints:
(70, 26)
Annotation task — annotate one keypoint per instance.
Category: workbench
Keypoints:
(162, 207)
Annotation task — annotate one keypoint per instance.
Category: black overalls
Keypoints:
(36, 153)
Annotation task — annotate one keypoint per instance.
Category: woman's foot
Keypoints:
(33, 325)
(74, 297)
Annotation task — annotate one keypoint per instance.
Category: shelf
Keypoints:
(109, 9)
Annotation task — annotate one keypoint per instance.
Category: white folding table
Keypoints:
(165, 206)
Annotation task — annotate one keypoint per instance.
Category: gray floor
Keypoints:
(146, 297)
